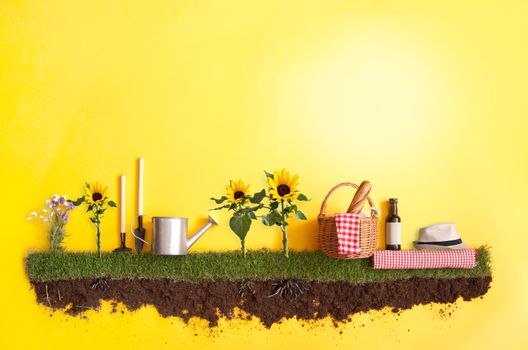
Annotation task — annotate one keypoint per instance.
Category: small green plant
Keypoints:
(243, 205)
(282, 195)
(54, 216)
(96, 200)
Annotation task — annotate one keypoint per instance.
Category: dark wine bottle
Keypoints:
(393, 227)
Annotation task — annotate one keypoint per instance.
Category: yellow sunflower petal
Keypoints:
(276, 178)
(285, 176)
(294, 181)
(274, 194)
(272, 183)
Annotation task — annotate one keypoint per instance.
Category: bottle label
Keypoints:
(393, 233)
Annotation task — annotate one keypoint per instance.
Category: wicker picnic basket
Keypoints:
(327, 235)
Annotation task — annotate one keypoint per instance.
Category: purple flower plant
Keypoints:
(55, 216)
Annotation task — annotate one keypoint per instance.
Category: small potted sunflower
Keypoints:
(243, 205)
(96, 199)
(282, 196)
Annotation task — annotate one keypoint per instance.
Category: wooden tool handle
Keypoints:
(356, 206)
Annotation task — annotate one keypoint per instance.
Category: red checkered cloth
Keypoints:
(425, 259)
(347, 226)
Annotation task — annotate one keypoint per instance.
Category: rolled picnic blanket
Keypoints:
(425, 259)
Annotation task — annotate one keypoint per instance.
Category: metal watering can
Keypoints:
(169, 235)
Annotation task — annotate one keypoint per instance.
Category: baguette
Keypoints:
(356, 206)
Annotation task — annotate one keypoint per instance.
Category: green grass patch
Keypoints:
(260, 265)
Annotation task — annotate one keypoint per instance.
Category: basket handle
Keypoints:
(344, 184)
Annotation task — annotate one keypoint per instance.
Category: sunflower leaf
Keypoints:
(222, 207)
(300, 215)
(270, 175)
(302, 197)
(240, 225)
(247, 210)
(274, 205)
(78, 201)
(252, 215)
(219, 200)
(273, 218)
(258, 197)
(112, 204)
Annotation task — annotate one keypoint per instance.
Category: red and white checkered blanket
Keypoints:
(425, 259)
(348, 226)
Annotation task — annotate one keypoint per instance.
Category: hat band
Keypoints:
(444, 243)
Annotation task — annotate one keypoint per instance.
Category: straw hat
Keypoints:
(439, 236)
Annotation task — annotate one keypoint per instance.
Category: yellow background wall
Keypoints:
(426, 99)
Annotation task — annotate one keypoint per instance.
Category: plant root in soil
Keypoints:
(288, 288)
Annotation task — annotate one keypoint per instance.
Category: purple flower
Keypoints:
(65, 216)
(69, 205)
(62, 199)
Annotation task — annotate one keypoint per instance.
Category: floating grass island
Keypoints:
(265, 284)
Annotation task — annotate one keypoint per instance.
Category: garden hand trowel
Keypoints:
(139, 235)
(122, 215)
(139, 232)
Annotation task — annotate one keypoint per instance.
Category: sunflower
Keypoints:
(95, 194)
(283, 185)
(236, 191)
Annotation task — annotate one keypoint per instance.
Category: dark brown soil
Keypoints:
(270, 301)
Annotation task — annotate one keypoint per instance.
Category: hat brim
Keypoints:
(423, 246)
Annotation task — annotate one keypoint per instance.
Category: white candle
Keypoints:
(122, 193)
(140, 187)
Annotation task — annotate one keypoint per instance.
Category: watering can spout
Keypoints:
(200, 232)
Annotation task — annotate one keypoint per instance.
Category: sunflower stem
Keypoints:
(98, 239)
(284, 233)
(243, 243)
(285, 241)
